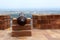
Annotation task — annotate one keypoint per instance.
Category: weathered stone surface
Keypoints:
(18, 27)
(4, 21)
(21, 33)
(46, 21)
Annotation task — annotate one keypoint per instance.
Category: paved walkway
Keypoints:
(36, 35)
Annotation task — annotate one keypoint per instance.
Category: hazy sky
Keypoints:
(20, 4)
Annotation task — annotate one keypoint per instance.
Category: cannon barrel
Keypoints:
(21, 21)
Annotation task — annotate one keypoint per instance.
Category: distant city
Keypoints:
(28, 13)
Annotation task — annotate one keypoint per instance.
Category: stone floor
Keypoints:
(36, 35)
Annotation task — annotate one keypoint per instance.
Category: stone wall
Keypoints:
(18, 30)
(46, 21)
(4, 22)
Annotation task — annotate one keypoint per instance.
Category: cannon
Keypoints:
(21, 20)
(21, 26)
